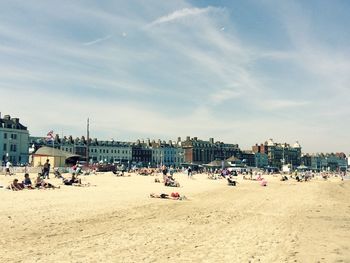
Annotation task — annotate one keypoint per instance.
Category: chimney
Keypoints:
(195, 138)
(178, 138)
(7, 117)
(211, 140)
(188, 138)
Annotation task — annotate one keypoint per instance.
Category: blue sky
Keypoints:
(238, 71)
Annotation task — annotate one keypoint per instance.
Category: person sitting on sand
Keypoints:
(259, 177)
(284, 178)
(231, 181)
(157, 180)
(169, 181)
(41, 184)
(57, 173)
(263, 182)
(73, 180)
(15, 186)
(27, 183)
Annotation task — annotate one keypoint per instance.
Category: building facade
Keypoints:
(99, 151)
(329, 162)
(280, 153)
(14, 139)
(169, 154)
(202, 152)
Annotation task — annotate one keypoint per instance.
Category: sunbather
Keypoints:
(169, 181)
(73, 180)
(27, 183)
(173, 196)
(15, 186)
(41, 184)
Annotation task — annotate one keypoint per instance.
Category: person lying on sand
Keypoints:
(15, 186)
(173, 196)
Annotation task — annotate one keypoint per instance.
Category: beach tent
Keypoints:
(217, 164)
(302, 168)
(233, 159)
(57, 157)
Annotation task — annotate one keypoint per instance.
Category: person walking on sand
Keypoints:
(7, 168)
(189, 172)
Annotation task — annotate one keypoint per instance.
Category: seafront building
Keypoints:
(169, 154)
(198, 151)
(13, 141)
(279, 154)
(15, 145)
(99, 151)
(325, 161)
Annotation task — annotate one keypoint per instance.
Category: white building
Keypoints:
(169, 154)
(14, 138)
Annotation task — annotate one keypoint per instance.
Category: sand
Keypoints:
(116, 221)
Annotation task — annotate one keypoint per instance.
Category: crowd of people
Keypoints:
(40, 180)
(165, 173)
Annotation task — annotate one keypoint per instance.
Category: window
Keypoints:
(14, 136)
(5, 147)
(5, 135)
(13, 148)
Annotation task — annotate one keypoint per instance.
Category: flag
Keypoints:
(50, 137)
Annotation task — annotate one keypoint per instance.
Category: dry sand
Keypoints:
(116, 221)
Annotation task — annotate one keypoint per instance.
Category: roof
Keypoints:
(49, 151)
(233, 159)
(218, 163)
(11, 123)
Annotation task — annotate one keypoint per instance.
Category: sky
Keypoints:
(239, 71)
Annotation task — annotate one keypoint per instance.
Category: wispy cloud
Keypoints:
(98, 40)
(182, 13)
(223, 95)
(283, 104)
(179, 68)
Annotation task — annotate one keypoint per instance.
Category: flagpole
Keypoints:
(87, 141)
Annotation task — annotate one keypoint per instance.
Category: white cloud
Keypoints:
(166, 79)
(283, 104)
(182, 13)
(223, 95)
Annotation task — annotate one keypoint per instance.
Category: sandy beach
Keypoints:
(115, 220)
